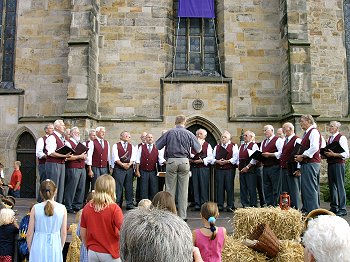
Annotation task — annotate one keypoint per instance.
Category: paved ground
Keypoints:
(194, 220)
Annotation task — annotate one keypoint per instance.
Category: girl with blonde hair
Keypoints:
(101, 221)
(47, 230)
(8, 232)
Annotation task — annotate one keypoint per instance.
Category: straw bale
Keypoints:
(286, 224)
(290, 251)
(236, 251)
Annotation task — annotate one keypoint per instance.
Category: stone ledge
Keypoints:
(11, 91)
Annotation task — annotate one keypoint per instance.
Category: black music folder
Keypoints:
(334, 146)
(257, 155)
(65, 150)
(80, 148)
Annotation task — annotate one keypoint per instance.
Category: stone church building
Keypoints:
(134, 65)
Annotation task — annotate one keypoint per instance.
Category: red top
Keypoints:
(16, 176)
(102, 228)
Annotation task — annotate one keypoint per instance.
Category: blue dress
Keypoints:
(46, 243)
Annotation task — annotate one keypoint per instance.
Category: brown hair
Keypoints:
(47, 191)
(208, 210)
(164, 200)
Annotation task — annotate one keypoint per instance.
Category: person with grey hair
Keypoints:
(123, 159)
(55, 162)
(336, 170)
(178, 142)
(290, 182)
(149, 235)
(41, 152)
(327, 239)
(271, 149)
(310, 161)
(201, 170)
(99, 156)
(280, 133)
(76, 175)
(247, 174)
(225, 158)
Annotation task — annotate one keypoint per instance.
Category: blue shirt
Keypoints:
(178, 142)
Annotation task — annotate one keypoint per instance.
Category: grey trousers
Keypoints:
(42, 177)
(176, 181)
(310, 186)
(260, 185)
(291, 185)
(336, 176)
(247, 185)
(200, 182)
(101, 257)
(124, 179)
(272, 184)
(98, 171)
(75, 188)
(56, 172)
(148, 184)
(225, 183)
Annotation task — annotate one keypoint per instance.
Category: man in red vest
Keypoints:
(146, 168)
(336, 170)
(88, 181)
(123, 158)
(247, 173)
(225, 158)
(271, 148)
(55, 162)
(290, 181)
(310, 161)
(200, 169)
(99, 156)
(41, 152)
(138, 179)
(75, 175)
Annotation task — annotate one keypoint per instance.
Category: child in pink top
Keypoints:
(209, 239)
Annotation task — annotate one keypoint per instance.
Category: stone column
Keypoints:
(83, 67)
(299, 57)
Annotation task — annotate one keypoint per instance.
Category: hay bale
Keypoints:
(290, 251)
(235, 251)
(286, 224)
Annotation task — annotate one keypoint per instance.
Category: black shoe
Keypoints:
(196, 208)
(221, 209)
(130, 207)
(341, 213)
(333, 210)
(71, 211)
(185, 219)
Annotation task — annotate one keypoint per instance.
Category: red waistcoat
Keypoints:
(244, 156)
(202, 154)
(306, 143)
(79, 163)
(229, 154)
(271, 148)
(59, 160)
(332, 160)
(287, 150)
(100, 155)
(124, 156)
(148, 161)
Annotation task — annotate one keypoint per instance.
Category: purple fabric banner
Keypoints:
(196, 8)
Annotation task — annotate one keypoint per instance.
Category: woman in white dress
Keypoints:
(47, 228)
